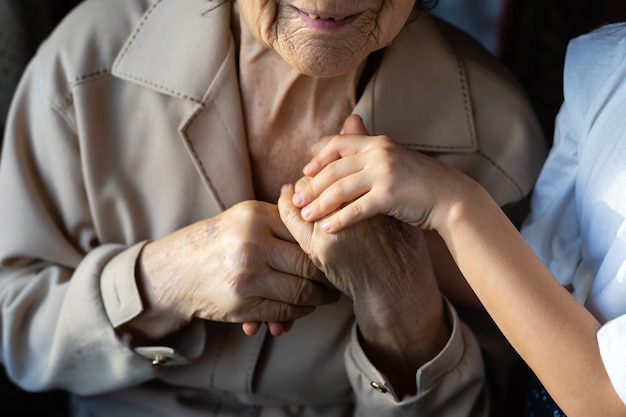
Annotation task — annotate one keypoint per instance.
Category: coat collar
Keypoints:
(182, 50)
(178, 48)
(188, 47)
(428, 93)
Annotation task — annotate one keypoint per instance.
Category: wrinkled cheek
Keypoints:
(260, 17)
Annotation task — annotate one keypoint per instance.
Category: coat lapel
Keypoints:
(421, 99)
(186, 51)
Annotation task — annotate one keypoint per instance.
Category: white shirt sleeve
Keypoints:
(552, 228)
(612, 343)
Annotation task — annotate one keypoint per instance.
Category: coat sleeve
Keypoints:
(55, 329)
(451, 384)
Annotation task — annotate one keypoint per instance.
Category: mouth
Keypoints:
(326, 21)
(314, 16)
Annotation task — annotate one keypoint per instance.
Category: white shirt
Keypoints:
(577, 223)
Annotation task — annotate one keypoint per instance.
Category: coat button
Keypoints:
(379, 387)
(159, 360)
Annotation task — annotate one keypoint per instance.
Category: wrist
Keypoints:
(412, 334)
(399, 348)
(461, 210)
(156, 319)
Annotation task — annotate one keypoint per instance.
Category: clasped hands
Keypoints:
(258, 262)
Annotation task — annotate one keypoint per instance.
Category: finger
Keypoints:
(317, 146)
(352, 213)
(308, 189)
(328, 150)
(303, 193)
(289, 258)
(250, 328)
(300, 229)
(290, 289)
(353, 125)
(270, 311)
(331, 151)
(337, 193)
(279, 328)
(277, 226)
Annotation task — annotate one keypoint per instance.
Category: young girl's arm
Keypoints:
(362, 176)
(550, 330)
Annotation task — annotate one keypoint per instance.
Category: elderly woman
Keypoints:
(144, 155)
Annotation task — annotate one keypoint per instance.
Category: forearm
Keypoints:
(400, 314)
(554, 334)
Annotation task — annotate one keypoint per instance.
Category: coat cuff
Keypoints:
(122, 303)
(452, 383)
(118, 286)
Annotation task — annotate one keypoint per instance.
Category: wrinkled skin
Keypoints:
(240, 265)
(283, 25)
(244, 290)
(383, 265)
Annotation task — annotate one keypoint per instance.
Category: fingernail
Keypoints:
(306, 212)
(326, 226)
(297, 199)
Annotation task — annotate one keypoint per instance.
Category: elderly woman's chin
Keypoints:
(326, 62)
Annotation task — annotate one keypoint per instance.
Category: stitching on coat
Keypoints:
(503, 172)
(436, 147)
(218, 357)
(253, 359)
(69, 99)
(141, 25)
(87, 77)
(197, 159)
(142, 80)
(161, 88)
(466, 103)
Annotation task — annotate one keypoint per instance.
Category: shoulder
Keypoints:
(474, 54)
(595, 67)
(599, 50)
(465, 106)
(508, 134)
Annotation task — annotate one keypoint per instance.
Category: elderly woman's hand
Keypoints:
(242, 265)
(384, 266)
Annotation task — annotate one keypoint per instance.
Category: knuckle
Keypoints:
(241, 283)
(331, 169)
(305, 266)
(243, 254)
(300, 293)
(356, 211)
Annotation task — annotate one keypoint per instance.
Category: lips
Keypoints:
(313, 16)
(325, 20)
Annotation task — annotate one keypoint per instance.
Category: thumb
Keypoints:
(353, 125)
(301, 230)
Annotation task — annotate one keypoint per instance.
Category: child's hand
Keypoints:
(355, 176)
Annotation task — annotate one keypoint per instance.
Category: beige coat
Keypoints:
(128, 126)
